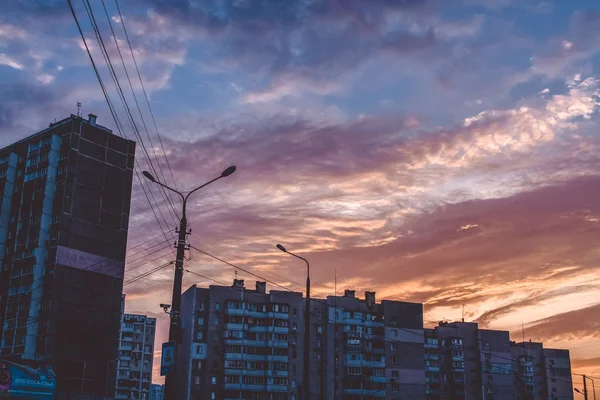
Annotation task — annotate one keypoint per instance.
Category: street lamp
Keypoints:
(584, 392)
(306, 323)
(175, 325)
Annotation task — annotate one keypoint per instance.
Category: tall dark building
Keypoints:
(64, 216)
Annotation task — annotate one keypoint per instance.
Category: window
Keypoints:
(214, 380)
(198, 349)
(395, 387)
(200, 335)
(394, 360)
(197, 380)
(393, 346)
(392, 319)
(200, 320)
(354, 371)
(217, 306)
(395, 374)
(213, 396)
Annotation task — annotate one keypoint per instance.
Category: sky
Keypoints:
(443, 152)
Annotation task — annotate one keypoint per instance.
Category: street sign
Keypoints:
(167, 360)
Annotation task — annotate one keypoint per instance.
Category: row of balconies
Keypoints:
(256, 372)
(255, 357)
(256, 314)
(259, 343)
(255, 388)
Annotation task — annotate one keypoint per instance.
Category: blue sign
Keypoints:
(167, 360)
(23, 381)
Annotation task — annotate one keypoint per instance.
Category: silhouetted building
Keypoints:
(63, 231)
(373, 350)
(465, 362)
(136, 355)
(541, 373)
(240, 343)
(247, 343)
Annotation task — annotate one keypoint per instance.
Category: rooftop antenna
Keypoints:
(78, 109)
(463, 313)
(236, 274)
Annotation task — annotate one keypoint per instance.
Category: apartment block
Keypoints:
(64, 217)
(247, 343)
(373, 350)
(541, 373)
(157, 392)
(133, 377)
(465, 362)
(240, 343)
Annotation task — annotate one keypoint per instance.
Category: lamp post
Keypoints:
(175, 325)
(585, 392)
(306, 325)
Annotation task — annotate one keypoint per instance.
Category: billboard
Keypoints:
(19, 381)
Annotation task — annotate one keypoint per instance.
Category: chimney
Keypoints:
(261, 287)
(349, 293)
(370, 297)
(238, 283)
(92, 119)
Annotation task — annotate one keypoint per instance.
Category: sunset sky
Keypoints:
(444, 152)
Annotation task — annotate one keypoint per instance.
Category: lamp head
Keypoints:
(230, 170)
(280, 247)
(149, 176)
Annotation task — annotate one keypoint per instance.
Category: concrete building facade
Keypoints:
(133, 375)
(541, 373)
(247, 343)
(64, 216)
(157, 392)
(373, 350)
(465, 362)
(240, 343)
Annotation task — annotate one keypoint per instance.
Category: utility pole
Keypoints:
(171, 392)
(585, 393)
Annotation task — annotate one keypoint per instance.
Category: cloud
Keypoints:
(575, 324)
(559, 56)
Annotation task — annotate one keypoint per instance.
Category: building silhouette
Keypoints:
(64, 217)
(241, 343)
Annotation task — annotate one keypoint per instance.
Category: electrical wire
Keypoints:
(114, 115)
(169, 194)
(121, 94)
(145, 94)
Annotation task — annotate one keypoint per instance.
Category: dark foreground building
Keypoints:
(64, 216)
(247, 343)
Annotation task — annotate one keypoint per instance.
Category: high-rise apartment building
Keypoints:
(372, 350)
(463, 361)
(133, 377)
(541, 373)
(64, 216)
(241, 343)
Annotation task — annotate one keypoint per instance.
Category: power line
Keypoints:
(168, 195)
(114, 114)
(145, 94)
(113, 74)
